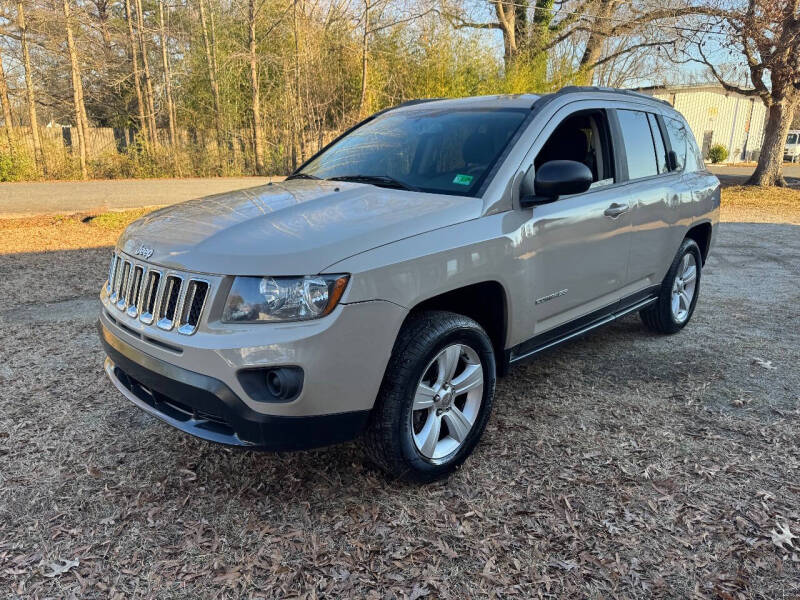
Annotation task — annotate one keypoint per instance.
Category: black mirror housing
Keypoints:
(557, 178)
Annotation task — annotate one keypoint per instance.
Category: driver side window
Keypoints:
(583, 137)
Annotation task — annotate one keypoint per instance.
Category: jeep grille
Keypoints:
(143, 291)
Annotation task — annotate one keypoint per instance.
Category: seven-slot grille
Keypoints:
(145, 292)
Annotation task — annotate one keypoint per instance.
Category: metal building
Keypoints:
(718, 117)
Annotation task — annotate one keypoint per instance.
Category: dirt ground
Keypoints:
(624, 464)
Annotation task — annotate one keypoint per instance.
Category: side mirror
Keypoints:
(553, 179)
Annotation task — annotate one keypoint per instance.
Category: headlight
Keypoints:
(270, 299)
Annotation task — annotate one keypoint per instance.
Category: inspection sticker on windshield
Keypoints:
(463, 179)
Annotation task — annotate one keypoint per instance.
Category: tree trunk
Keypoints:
(77, 92)
(102, 20)
(148, 80)
(8, 123)
(769, 170)
(167, 75)
(258, 134)
(298, 126)
(364, 57)
(136, 74)
(538, 39)
(506, 17)
(31, 95)
(212, 77)
(594, 45)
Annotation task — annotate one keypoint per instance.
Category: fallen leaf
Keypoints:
(767, 364)
(61, 567)
(783, 538)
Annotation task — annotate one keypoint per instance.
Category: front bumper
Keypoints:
(207, 408)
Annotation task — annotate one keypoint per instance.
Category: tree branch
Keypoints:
(627, 50)
(759, 90)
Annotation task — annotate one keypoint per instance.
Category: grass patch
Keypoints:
(749, 204)
(65, 232)
(117, 220)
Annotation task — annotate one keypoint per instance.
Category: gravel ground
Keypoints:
(621, 465)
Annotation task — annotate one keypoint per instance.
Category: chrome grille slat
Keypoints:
(171, 300)
(115, 284)
(135, 290)
(193, 302)
(110, 284)
(124, 285)
(149, 303)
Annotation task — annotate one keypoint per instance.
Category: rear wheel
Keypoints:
(679, 291)
(435, 399)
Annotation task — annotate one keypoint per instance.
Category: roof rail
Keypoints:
(571, 89)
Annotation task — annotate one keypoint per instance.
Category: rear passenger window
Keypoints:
(658, 142)
(677, 138)
(639, 149)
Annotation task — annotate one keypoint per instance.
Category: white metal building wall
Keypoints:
(737, 121)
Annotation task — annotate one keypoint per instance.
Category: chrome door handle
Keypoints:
(615, 210)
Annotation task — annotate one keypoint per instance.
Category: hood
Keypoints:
(296, 227)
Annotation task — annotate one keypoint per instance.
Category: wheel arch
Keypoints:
(485, 302)
(701, 234)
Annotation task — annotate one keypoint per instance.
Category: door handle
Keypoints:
(615, 210)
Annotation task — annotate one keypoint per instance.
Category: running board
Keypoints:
(536, 344)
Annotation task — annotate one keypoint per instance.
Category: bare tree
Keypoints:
(8, 123)
(137, 80)
(364, 53)
(258, 131)
(148, 79)
(598, 21)
(167, 75)
(82, 126)
(767, 34)
(212, 78)
(102, 9)
(29, 91)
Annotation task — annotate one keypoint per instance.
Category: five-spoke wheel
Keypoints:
(679, 290)
(435, 398)
(447, 401)
(683, 288)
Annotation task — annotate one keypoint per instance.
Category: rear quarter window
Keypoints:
(638, 139)
(684, 146)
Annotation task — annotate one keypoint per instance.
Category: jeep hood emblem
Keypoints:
(143, 251)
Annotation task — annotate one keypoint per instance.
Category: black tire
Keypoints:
(658, 317)
(388, 439)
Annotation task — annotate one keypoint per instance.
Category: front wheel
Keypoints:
(679, 291)
(435, 398)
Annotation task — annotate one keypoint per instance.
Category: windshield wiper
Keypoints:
(380, 180)
(301, 176)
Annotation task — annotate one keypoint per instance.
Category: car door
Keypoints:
(655, 195)
(576, 248)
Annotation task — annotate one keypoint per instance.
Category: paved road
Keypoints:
(729, 175)
(64, 197)
(26, 199)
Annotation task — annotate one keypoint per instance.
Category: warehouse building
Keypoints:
(718, 117)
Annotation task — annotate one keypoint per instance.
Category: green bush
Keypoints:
(17, 165)
(717, 153)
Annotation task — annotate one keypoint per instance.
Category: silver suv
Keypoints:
(381, 289)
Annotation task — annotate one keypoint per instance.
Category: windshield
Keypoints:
(791, 138)
(430, 150)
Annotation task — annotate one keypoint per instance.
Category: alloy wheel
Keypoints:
(447, 401)
(684, 287)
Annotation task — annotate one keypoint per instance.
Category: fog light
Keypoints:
(277, 384)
